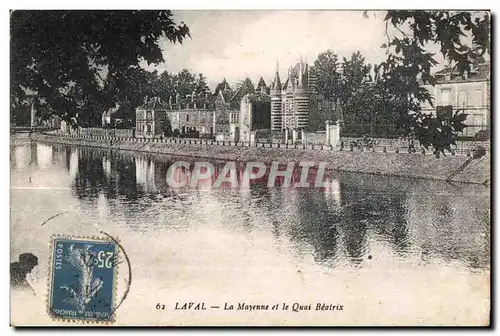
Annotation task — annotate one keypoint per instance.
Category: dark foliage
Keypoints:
(80, 62)
(462, 37)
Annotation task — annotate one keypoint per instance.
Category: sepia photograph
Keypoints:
(250, 168)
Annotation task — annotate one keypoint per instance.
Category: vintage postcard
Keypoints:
(250, 168)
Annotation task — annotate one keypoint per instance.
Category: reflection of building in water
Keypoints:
(145, 173)
(44, 155)
(332, 190)
(22, 156)
(58, 155)
(371, 205)
(73, 163)
(33, 154)
(102, 205)
(318, 220)
(106, 166)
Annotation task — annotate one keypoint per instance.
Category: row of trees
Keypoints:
(80, 63)
(390, 94)
(358, 96)
(165, 85)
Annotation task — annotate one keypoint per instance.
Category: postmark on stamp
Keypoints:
(83, 279)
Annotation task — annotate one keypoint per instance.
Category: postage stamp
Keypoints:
(337, 173)
(83, 279)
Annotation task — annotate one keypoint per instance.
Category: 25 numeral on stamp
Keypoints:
(103, 260)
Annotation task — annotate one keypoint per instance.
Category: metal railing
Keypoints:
(464, 148)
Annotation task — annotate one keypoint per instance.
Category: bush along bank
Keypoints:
(466, 169)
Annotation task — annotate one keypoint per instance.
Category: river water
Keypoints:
(389, 250)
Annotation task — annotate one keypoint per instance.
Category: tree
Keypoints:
(328, 76)
(355, 75)
(461, 37)
(185, 83)
(165, 86)
(346, 83)
(356, 94)
(131, 87)
(246, 87)
(74, 60)
(328, 80)
(221, 86)
(201, 85)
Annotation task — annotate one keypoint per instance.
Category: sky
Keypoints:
(239, 44)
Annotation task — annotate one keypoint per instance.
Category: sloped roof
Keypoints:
(199, 99)
(258, 97)
(277, 82)
(122, 112)
(111, 110)
(285, 85)
(154, 104)
(479, 72)
(261, 83)
(227, 94)
(235, 94)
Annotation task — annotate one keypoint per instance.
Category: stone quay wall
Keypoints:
(453, 168)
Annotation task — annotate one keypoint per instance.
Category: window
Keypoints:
(187, 117)
(149, 115)
(478, 120)
(445, 97)
(462, 98)
(477, 98)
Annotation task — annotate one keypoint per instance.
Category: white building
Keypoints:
(470, 92)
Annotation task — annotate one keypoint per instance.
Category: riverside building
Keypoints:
(470, 92)
(290, 101)
(193, 115)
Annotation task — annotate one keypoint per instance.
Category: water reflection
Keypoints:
(44, 155)
(350, 221)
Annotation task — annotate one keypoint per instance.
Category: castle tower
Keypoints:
(276, 104)
(288, 101)
(261, 87)
(301, 101)
(311, 80)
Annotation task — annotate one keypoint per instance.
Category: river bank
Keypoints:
(463, 169)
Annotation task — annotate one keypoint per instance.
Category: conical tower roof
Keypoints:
(277, 81)
(261, 83)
